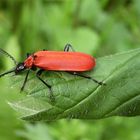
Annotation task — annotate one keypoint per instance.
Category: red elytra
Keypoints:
(60, 61)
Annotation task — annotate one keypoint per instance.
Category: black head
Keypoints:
(20, 67)
(17, 69)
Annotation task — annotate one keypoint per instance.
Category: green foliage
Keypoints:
(8, 118)
(95, 27)
(35, 132)
(83, 99)
(102, 26)
(84, 130)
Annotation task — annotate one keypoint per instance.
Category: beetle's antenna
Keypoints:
(8, 55)
(5, 73)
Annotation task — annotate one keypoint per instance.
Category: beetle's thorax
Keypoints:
(28, 63)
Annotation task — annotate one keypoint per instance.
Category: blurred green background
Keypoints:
(97, 27)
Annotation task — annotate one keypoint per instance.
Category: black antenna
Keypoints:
(10, 71)
(8, 55)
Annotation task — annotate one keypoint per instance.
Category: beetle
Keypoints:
(68, 61)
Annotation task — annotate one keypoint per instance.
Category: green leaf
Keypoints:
(81, 98)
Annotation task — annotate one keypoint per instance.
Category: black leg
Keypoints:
(38, 76)
(68, 47)
(34, 68)
(25, 80)
(88, 77)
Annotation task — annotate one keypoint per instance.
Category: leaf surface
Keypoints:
(81, 98)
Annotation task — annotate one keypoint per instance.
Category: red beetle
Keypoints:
(72, 62)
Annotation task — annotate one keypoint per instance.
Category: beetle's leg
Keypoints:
(24, 83)
(68, 47)
(38, 74)
(88, 77)
(34, 68)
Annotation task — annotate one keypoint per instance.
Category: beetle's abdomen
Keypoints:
(63, 61)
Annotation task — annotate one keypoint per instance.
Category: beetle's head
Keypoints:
(20, 67)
